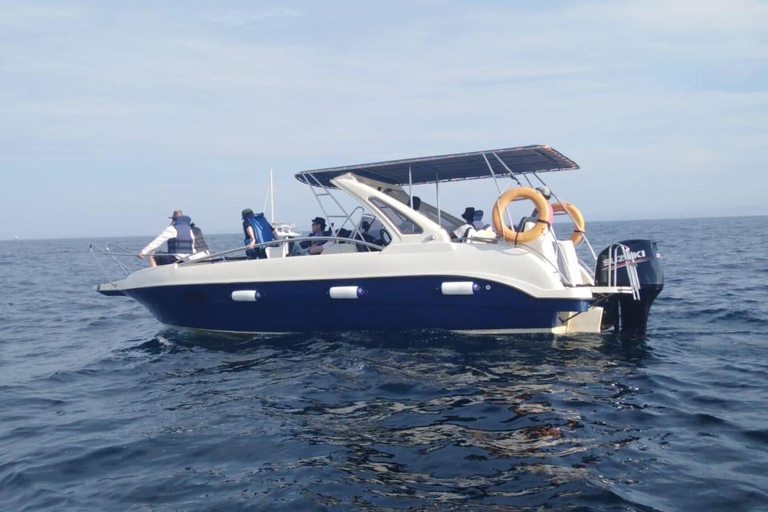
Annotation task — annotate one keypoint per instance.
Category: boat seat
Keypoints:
(368, 238)
(523, 224)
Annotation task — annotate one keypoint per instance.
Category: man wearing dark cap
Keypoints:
(312, 247)
(318, 229)
(467, 229)
(180, 238)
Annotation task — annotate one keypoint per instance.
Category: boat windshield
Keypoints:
(403, 223)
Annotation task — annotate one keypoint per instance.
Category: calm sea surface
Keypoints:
(101, 408)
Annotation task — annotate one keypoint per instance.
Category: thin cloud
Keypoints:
(638, 93)
(241, 19)
(28, 16)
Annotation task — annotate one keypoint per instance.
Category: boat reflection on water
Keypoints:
(433, 417)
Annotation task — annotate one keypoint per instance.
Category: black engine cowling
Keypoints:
(623, 312)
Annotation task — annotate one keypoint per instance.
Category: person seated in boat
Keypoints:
(181, 242)
(416, 203)
(467, 229)
(313, 247)
(365, 228)
(544, 190)
(318, 229)
(257, 230)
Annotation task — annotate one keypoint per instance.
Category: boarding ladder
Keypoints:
(616, 251)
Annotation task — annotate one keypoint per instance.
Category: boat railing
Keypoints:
(563, 278)
(348, 219)
(584, 237)
(471, 239)
(112, 252)
(118, 255)
(276, 243)
(614, 251)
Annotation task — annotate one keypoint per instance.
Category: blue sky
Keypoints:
(113, 114)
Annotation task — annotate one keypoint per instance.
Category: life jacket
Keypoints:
(200, 244)
(182, 244)
(261, 229)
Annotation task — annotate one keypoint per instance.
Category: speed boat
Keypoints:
(390, 264)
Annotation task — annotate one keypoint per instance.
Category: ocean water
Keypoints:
(101, 408)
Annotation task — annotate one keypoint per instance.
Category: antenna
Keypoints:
(271, 197)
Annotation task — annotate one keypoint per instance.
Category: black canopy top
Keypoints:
(460, 166)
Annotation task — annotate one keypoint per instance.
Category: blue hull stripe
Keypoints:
(390, 304)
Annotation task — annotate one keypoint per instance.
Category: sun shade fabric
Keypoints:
(460, 166)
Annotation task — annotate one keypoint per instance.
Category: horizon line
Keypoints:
(88, 237)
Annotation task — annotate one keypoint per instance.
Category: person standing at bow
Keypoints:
(180, 238)
(257, 230)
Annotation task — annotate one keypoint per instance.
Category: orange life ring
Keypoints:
(578, 220)
(510, 234)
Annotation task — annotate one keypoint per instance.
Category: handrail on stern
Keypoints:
(629, 263)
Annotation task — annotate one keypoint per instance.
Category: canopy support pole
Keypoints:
(496, 181)
(511, 174)
(410, 185)
(437, 196)
(271, 197)
(493, 174)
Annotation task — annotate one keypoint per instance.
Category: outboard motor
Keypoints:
(622, 311)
